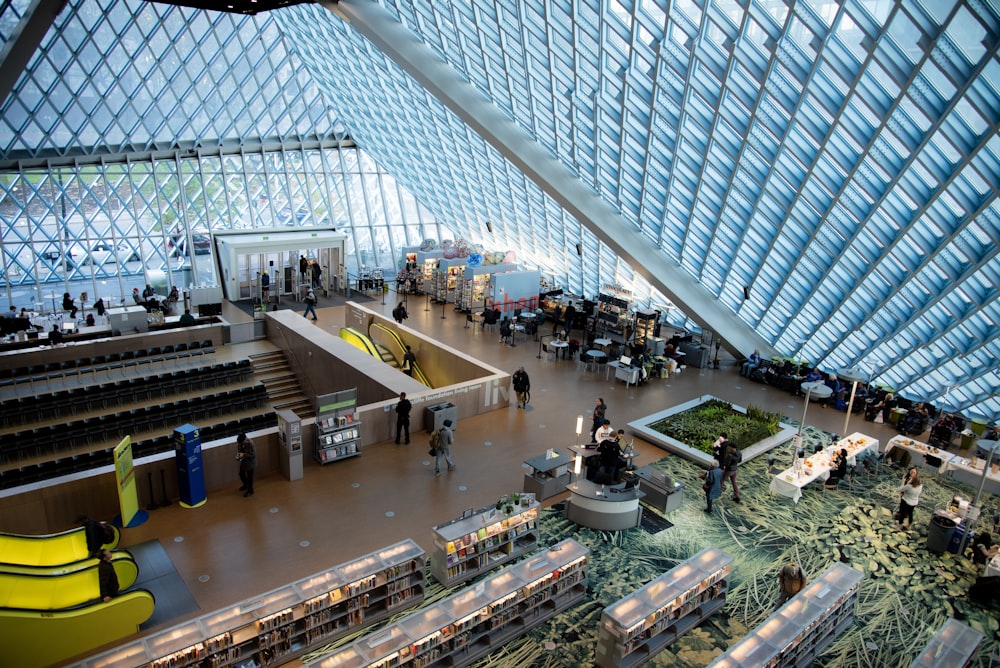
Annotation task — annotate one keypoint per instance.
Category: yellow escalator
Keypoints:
(395, 339)
(47, 550)
(363, 342)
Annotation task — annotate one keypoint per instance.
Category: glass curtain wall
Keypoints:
(105, 229)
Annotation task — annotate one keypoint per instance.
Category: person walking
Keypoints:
(106, 576)
(522, 386)
(310, 304)
(712, 484)
(732, 459)
(409, 359)
(791, 580)
(246, 454)
(316, 272)
(599, 410)
(303, 268)
(909, 496)
(447, 438)
(399, 313)
(403, 409)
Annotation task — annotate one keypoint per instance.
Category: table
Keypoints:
(605, 508)
(919, 453)
(816, 390)
(629, 374)
(993, 568)
(559, 345)
(595, 357)
(603, 343)
(791, 481)
(549, 474)
(970, 472)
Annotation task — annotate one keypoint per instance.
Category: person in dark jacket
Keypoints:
(403, 417)
(246, 454)
(731, 463)
(522, 386)
(106, 575)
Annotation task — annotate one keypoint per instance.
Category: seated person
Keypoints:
(136, 297)
(915, 420)
(68, 305)
(506, 331)
(187, 319)
(90, 320)
(752, 363)
(838, 391)
(149, 299)
(813, 376)
(774, 373)
(839, 470)
(883, 407)
(55, 336)
(944, 431)
(983, 549)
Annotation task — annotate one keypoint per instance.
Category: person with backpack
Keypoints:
(731, 458)
(409, 359)
(445, 438)
(310, 304)
(399, 313)
(522, 386)
(791, 580)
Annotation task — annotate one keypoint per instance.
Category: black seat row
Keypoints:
(54, 439)
(106, 364)
(90, 460)
(61, 403)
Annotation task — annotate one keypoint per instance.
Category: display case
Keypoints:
(646, 322)
(799, 631)
(472, 290)
(613, 317)
(477, 620)
(277, 626)
(338, 430)
(953, 646)
(646, 621)
(445, 278)
(484, 539)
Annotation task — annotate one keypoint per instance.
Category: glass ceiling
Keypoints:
(839, 159)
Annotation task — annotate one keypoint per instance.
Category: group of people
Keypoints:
(310, 272)
(724, 466)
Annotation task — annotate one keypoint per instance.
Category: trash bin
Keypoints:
(968, 439)
(978, 426)
(939, 533)
(437, 414)
(956, 539)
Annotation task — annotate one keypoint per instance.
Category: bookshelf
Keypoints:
(802, 628)
(277, 626)
(481, 540)
(953, 646)
(613, 316)
(338, 430)
(638, 626)
(477, 620)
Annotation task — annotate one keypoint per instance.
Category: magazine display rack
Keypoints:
(484, 539)
(637, 627)
(477, 620)
(277, 626)
(803, 627)
(338, 429)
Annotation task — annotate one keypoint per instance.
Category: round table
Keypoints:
(602, 342)
(596, 357)
(559, 345)
(817, 390)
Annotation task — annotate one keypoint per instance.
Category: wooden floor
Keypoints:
(233, 548)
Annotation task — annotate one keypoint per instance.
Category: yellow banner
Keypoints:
(128, 499)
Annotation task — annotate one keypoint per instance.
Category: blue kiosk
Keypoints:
(190, 469)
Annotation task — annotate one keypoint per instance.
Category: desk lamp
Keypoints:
(579, 429)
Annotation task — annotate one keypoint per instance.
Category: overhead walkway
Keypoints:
(365, 343)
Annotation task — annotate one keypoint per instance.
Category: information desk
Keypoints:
(791, 481)
(549, 474)
(662, 493)
(606, 508)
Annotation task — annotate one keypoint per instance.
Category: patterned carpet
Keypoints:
(906, 596)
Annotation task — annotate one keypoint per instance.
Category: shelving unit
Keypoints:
(338, 430)
(477, 620)
(277, 626)
(635, 628)
(613, 316)
(801, 629)
(482, 540)
(645, 326)
(953, 646)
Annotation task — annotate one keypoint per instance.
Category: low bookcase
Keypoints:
(338, 430)
(802, 628)
(276, 627)
(477, 620)
(479, 541)
(646, 621)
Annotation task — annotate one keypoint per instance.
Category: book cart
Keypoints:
(338, 430)
(638, 626)
(480, 540)
(275, 627)
(953, 646)
(802, 628)
(477, 620)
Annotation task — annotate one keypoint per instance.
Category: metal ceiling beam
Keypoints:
(465, 101)
(38, 17)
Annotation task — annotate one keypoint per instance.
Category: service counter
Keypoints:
(603, 507)
(662, 493)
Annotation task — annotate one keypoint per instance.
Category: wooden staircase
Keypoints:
(283, 389)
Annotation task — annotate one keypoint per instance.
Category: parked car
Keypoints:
(98, 253)
(177, 245)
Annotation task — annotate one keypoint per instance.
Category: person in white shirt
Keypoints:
(604, 432)
(909, 496)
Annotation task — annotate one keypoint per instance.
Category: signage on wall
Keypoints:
(617, 288)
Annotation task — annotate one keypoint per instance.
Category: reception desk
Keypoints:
(606, 508)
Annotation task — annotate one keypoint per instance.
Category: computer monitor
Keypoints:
(625, 360)
(69, 327)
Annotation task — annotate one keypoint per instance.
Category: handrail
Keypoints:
(394, 336)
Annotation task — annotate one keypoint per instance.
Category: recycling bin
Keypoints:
(437, 414)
